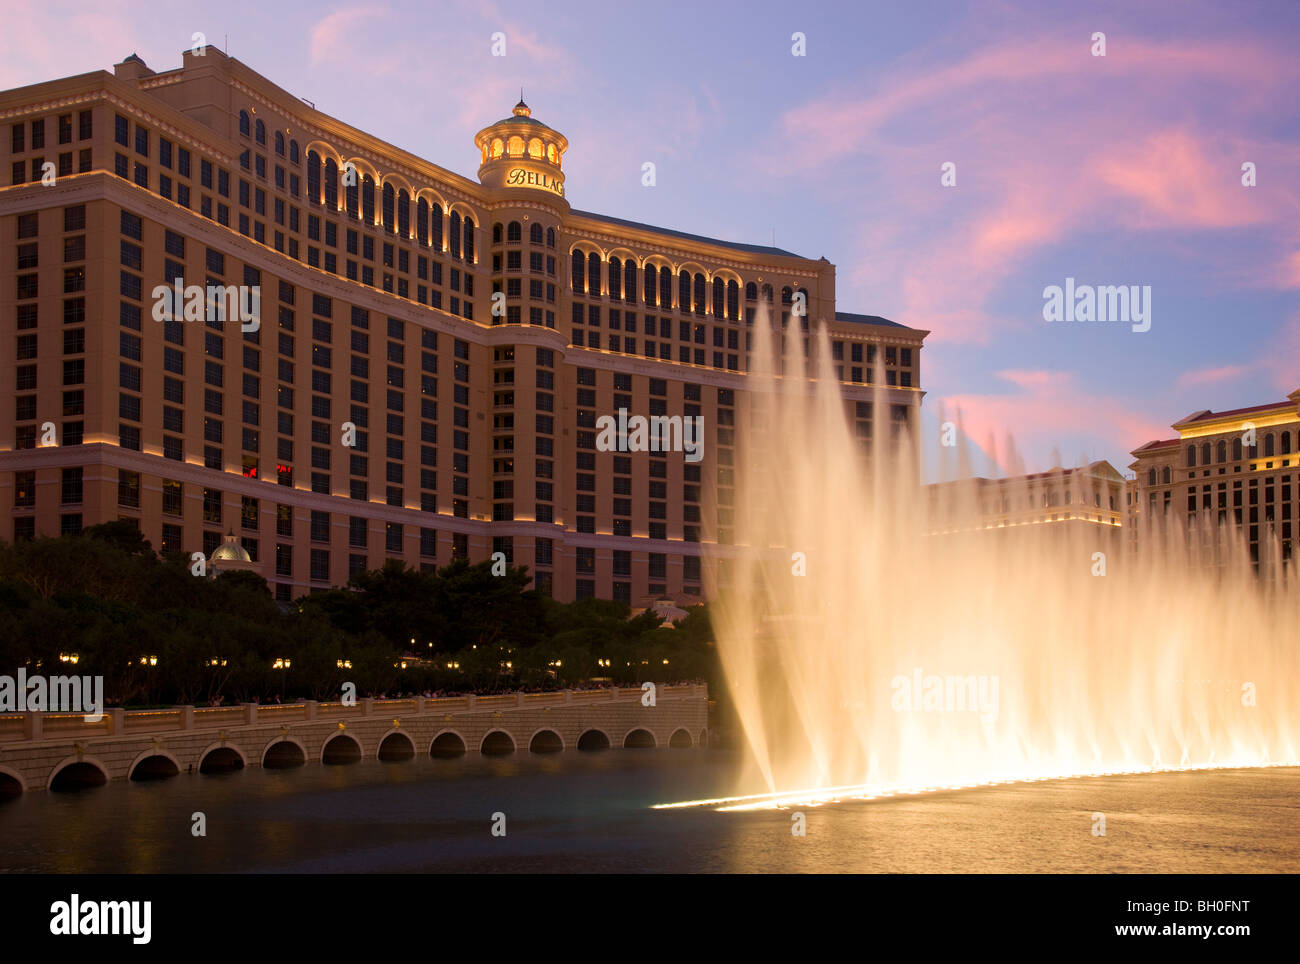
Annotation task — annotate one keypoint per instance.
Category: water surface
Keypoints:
(590, 813)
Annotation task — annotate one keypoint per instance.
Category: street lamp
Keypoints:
(282, 664)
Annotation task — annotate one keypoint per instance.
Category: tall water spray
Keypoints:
(874, 632)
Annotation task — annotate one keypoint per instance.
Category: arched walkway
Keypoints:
(593, 740)
(221, 759)
(283, 753)
(11, 784)
(681, 740)
(446, 745)
(639, 739)
(545, 741)
(154, 765)
(497, 743)
(396, 745)
(340, 748)
(77, 775)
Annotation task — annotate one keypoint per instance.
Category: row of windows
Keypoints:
(18, 143)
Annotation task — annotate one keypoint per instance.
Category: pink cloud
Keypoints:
(1213, 375)
(1050, 145)
(1046, 407)
(334, 36)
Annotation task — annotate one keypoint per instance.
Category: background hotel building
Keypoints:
(475, 432)
(1209, 472)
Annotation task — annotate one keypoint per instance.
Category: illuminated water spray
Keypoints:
(876, 639)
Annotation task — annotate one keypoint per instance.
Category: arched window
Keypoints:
(1286, 443)
(352, 196)
(331, 184)
(767, 293)
(629, 281)
(422, 221)
(498, 232)
(578, 271)
(389, 198)
(514, 232)
(1236, 449)
(404, 215)
(615, 279)
(535, 149)
(1191, 455)
(515, 146)
(435, 226)
(593, 274)
(260, 131)
(1151, 477)
(467, 249)
(665, 288)
(243, 122)
(1268, 444)
(293, 151)
(279, 143)
(551, 154)
(1221, 451)
(733, 300)
(550, 237)
(751, 291)
(498, 147)
(535, 233)
(787, 295)
(683, 291)
(313, 177)
(648, 285)
(453, 244)
(368, 200)
(1205, 454)
(719, 297)
(699, 294)
(1166, 475)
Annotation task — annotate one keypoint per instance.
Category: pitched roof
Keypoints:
(867, 319)
(736, 245)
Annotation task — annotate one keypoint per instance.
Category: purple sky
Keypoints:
(1123, 169)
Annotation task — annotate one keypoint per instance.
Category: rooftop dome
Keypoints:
(230, 550)
(521, 151)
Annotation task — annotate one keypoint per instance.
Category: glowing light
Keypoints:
(818, 797)
(831, 664)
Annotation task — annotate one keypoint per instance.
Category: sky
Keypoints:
(1122, 169)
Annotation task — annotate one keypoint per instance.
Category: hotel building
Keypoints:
(1086, 501)
(431, 352)
(1213, 472)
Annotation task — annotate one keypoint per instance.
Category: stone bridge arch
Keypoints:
(283, 758)
(336, 749)
(639, 738)
(77, 773)
(154, 763)
(546, 740)
(12, 783)
(594, 738)
(497, 742)
(447, 743)
(394, 745)
(222, 758)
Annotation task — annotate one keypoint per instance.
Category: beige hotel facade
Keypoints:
(1238, 469)
(475, 430)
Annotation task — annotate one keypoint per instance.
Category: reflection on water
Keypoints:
(590, 813)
